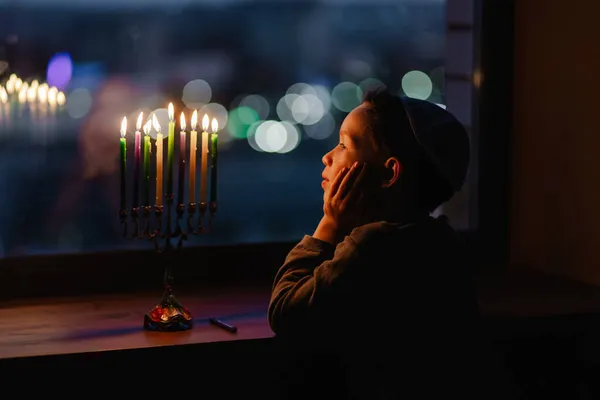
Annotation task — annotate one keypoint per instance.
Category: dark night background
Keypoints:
(59, 179)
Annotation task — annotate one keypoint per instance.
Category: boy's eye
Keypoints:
(342, 145)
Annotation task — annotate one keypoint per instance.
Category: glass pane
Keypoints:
(279, 76)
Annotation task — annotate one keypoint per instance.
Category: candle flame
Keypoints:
(42, 93)
(182, 121)
(10, 86)
(60, 98)
(138, 124)
(171, 112)
(215, 125)
(23, 94)
(35, 83)
(147, 127)
(31, 93)
(18, 84)
(3, 95)
(205, 123)
(52, 97)
(12, 77)
(124, 127)
(194, 120)
(155, 123)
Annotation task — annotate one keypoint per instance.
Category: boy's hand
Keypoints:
(346, 203)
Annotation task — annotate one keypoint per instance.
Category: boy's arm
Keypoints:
(309, 282)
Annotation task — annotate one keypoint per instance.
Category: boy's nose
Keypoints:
(327, 159)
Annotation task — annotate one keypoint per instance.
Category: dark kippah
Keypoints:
(409, 125)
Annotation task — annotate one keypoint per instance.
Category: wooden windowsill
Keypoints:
(100, 323)
(48, 326)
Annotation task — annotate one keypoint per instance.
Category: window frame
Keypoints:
(482, 33)
(482, 29)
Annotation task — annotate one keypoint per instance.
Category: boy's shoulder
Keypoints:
(385, 227)
(383, 231)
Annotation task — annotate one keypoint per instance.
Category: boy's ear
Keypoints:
(392, 170)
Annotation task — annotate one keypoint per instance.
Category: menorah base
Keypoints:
(168, 316)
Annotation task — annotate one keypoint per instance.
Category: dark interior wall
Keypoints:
(555, 179)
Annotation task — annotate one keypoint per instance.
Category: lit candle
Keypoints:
(123, 162)
(147, 147)
(170, 148)
(10, 85)
(213, 160)
(159, 161)
(193, 140)
(52, 98)
(136, 161)
(31, 93)
(3, 95)
(22, 99)
(6, 110)
(43, 92)
(22, 96)
(42, 96)
(61, 99)
(181, 182)
(204, 154)
(4, 102)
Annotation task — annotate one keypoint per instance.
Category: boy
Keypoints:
(378, 260)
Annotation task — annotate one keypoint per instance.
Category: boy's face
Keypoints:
(355, 144)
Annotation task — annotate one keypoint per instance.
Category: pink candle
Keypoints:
(137, 162)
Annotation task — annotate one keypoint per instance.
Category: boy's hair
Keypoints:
(426, 139)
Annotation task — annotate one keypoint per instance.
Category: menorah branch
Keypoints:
(190, 218)
(123, 218)
(212, 209)
(147, 223)
(201, 216)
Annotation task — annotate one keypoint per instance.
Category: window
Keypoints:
(279, 77)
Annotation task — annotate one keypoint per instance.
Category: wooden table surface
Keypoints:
(39, 327)
(55, 326)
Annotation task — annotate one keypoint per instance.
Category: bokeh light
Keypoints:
(240, 120)
(251, 135)
(258, 103)
(308, 109)
(323, 94)
(322, 129)
(417, 84)
(371, 84)
(162, 115)
(196, 93)
(79, 102)
(292, 139)
(273, 136)
(60, 70)
(215, 110)
(284, 107)
(346, 96)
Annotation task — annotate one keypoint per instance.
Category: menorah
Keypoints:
(168, 225)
